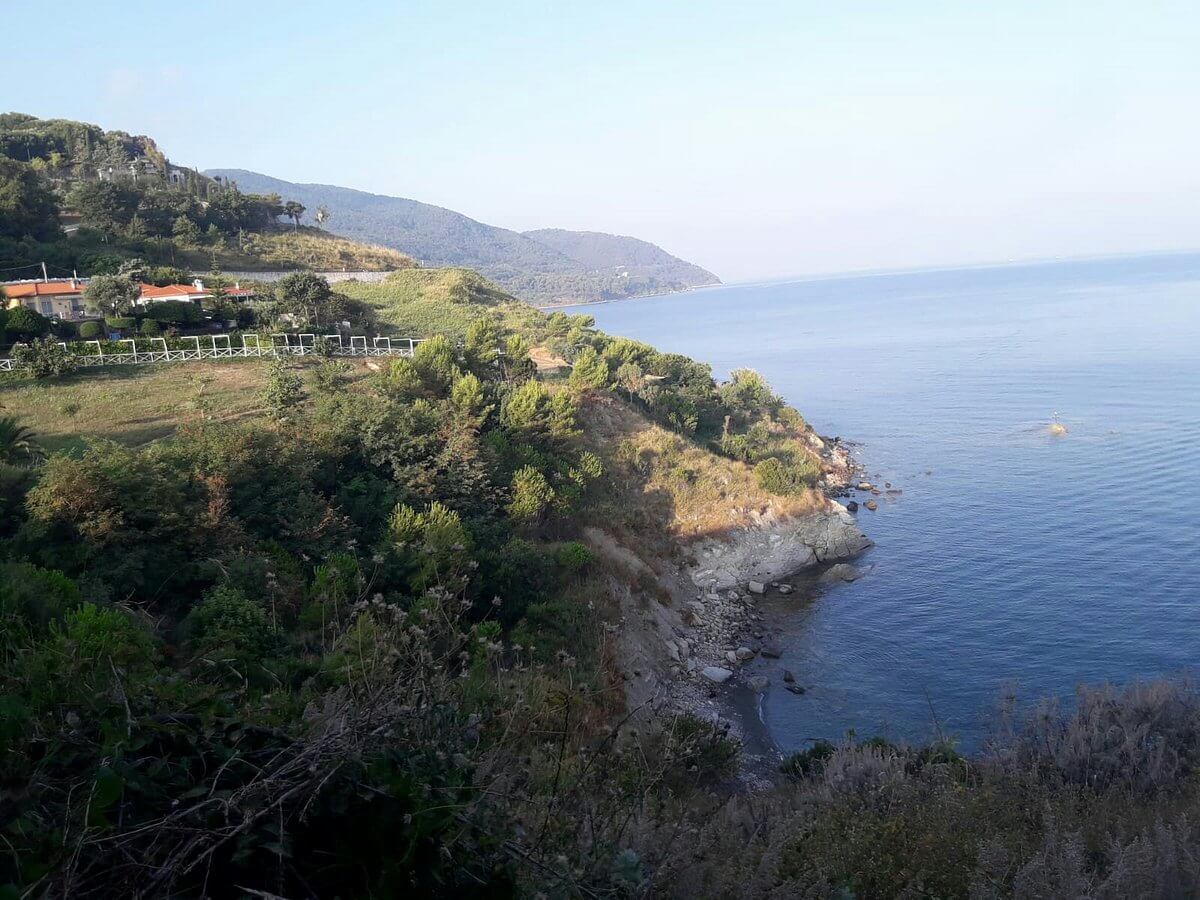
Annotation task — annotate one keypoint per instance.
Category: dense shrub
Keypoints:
(149, 328)
(120, 323)
(44, 358)
(284, 391)
(786, 478)
(91, 330)
(25, 324)
(175, 312)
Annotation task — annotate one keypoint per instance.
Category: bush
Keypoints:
(332, 376)
(573, 557)
(284, 391)
(44, 358)
(778, 477)
(531, 495)
(807, 763)
(35, 596)
(227, 618)
(175, 312)
(120, 323)
(91, 330)
(149, 328)
(24, 324)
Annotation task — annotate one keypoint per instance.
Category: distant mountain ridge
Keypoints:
(545, 266)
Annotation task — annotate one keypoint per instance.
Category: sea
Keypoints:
(1016, 564)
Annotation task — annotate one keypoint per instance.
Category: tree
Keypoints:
(631, 378)
(531, 495)
(589, 370)
(322, 216)
(293, 211)
(25, 324)
(307, 297)
(27, 207)
(185, 231)
(106, 205)
(111, 295)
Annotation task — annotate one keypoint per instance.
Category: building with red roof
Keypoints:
(55, 299)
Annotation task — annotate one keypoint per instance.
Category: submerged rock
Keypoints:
(788, 676)
(871, 505)
(841, 572)
(771, 650)
(758, 684)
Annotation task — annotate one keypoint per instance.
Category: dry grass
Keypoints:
(133, 404)
(666, 482)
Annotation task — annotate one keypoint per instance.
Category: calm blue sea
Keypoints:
(1013, 562)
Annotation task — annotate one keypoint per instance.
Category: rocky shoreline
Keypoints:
(692, 655)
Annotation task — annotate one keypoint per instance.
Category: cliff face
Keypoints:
(691, 542)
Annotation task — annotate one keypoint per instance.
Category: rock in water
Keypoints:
(871, 505)
(771, 650)
(758, 684)
(757, 587)
(716, 674)
(744, 654)
(841, 572)
(1058, 429)
(788, 676)
(852, 506)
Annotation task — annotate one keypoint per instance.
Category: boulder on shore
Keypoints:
(716, 674)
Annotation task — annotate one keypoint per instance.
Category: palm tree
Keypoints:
(16, 443)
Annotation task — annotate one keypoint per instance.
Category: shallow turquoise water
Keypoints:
(1013, 561)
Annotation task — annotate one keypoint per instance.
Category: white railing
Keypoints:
(292, 345)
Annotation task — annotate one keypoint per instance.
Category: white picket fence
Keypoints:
(252, 346)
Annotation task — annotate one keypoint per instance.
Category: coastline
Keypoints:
(571, 304)
(713, 650)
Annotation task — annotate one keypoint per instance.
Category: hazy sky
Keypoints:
(756, 138)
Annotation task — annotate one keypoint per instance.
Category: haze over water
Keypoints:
(1013, 560)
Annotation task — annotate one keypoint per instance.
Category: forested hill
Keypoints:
(616, 252)
(563, 267)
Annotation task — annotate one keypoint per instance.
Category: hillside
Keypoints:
(618, 253)
(79, 198)
(540, 267)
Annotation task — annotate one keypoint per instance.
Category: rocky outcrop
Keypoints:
(770, 548)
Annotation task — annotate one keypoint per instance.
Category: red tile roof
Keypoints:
(41, 289)
(154, 292)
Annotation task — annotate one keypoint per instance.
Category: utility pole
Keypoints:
(45, 277)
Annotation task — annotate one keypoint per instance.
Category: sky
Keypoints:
(758, 139)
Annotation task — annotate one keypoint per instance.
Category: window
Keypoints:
(46, 307)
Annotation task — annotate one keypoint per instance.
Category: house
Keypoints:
(187, 293)
(238, 293)
(55, 299)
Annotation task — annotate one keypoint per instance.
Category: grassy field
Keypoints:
(424, 302)
(304, 248)
(133, 404)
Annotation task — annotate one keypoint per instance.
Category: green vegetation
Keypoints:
(545, 267)
(361, 649)
(131, 202)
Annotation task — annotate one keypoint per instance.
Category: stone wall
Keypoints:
(331, 277)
